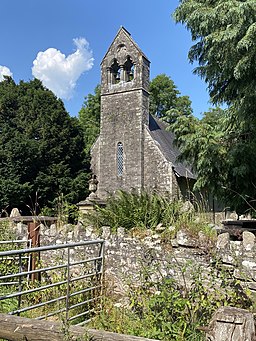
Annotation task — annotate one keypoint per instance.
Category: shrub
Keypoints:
(133, 210)
(171, 309)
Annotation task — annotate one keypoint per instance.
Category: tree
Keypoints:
(223, 162)
(89, 117)
(164, 96)
(224, 34)
(41, 147)
(224, 31)
(202, 144)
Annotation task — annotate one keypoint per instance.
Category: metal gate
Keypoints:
(66, 281)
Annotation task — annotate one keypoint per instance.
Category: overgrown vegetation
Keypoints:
(172, 309)
(6, 233)
(135, 210)
(139, 211)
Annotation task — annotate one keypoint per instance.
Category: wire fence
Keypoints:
(66, 281)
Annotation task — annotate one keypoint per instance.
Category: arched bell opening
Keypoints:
(128, 70)
(115, 71)
(121, 72)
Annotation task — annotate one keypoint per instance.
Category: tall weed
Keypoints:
(171, 308)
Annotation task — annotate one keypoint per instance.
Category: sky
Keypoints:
(62, 42)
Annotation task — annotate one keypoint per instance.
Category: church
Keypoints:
(134, 151)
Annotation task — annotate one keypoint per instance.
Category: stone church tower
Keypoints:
(133, 151)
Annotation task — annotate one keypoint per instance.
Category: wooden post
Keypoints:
(34, 235)
(14, 328)
(230, 323)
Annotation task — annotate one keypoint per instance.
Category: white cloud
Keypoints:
(60, 73)
(4, 71)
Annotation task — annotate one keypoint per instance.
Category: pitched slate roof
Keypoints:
(165, 140)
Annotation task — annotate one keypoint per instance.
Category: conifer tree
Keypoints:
(41, 147)
(224, 152)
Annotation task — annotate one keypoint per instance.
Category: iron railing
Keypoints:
(67, 281)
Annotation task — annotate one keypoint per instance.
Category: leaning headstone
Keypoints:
(248, 240)
(15, 213)
(231, 324)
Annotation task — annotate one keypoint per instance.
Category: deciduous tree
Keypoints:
(164, 96)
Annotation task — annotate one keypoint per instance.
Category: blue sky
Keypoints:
(62, 42)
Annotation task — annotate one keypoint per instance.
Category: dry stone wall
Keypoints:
(127, 255)
(240, 257)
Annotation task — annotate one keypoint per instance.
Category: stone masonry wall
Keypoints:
(121, 122)
(126, 256)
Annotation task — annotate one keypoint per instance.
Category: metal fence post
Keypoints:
(68, 284)
(102, 251)
(20, 283)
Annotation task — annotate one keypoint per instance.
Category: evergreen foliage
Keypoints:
(89, 117)
(224, 32)
(202, 144)
(222, 146)
(41, 147)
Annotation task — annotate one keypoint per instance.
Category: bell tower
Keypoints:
(118, 156)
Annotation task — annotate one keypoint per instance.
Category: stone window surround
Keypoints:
(121, 73)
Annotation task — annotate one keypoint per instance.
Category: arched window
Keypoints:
(120, 159)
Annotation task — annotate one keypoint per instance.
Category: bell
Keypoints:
(131, 75)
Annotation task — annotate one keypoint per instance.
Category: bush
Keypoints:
(133, 210)
(171, 309)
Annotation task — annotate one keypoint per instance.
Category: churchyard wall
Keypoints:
(127, 255)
